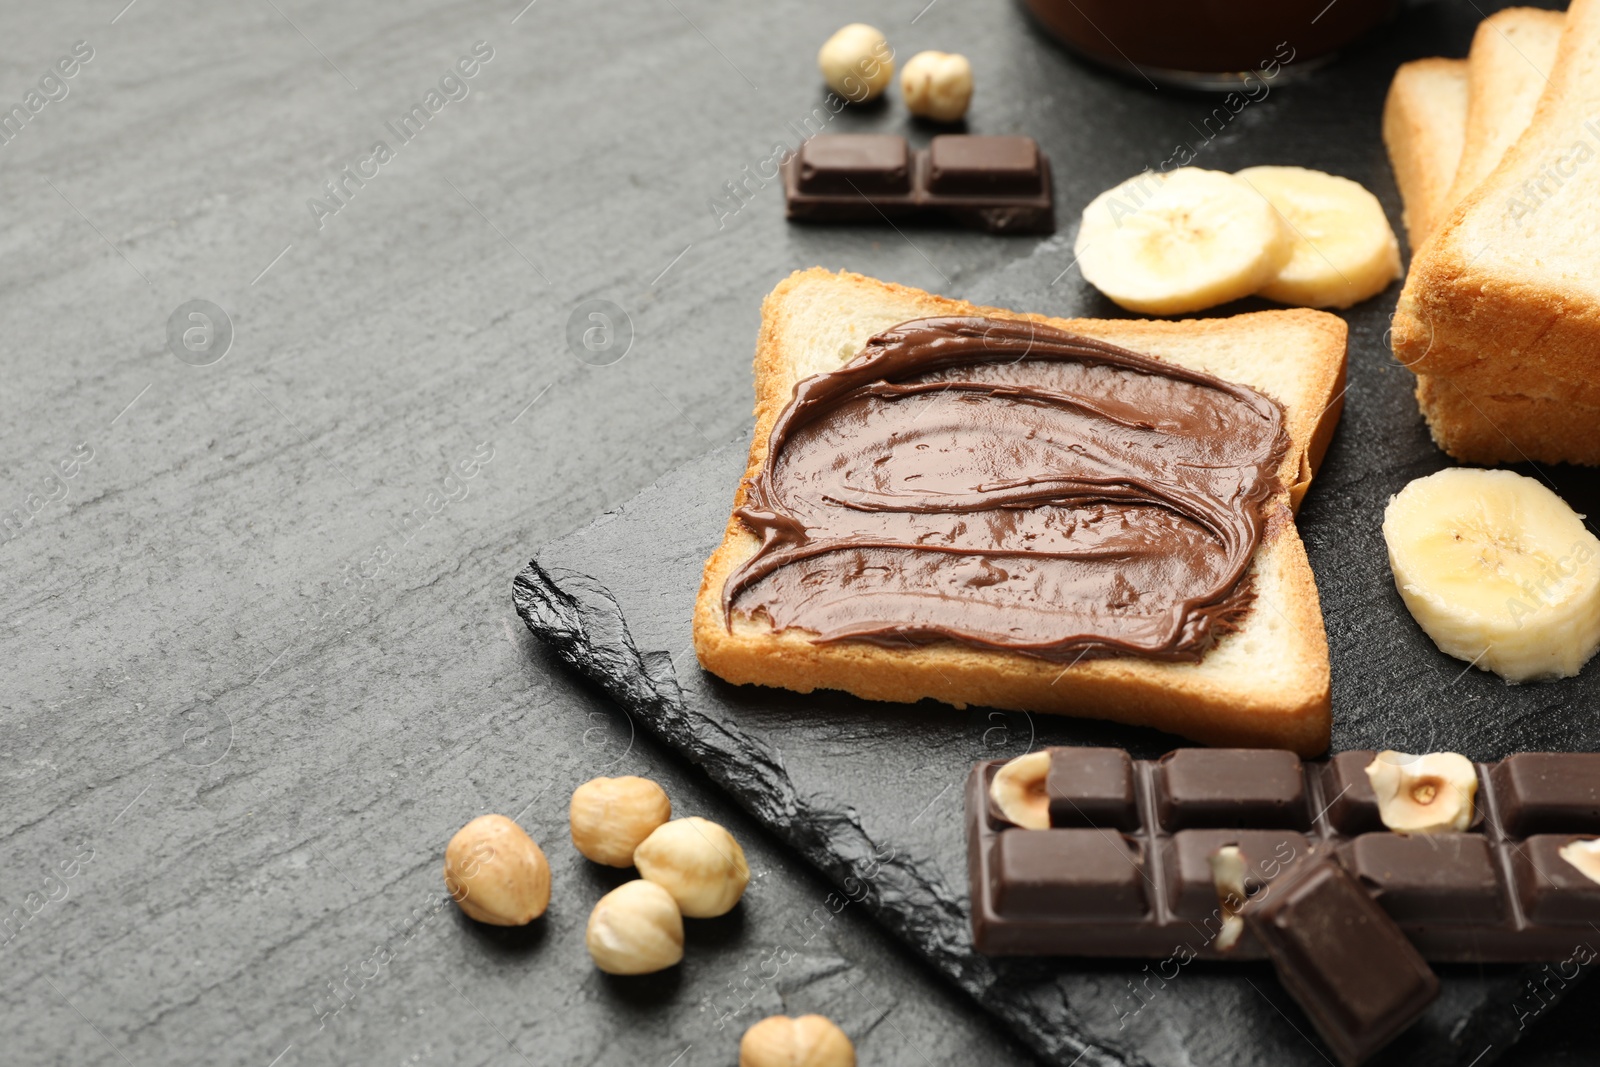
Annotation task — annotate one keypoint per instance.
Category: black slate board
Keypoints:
(870, 794)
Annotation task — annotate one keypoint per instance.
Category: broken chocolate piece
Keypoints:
(1341, 957)
(997, 184)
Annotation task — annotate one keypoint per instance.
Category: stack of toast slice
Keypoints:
(1424, 125)
(1264, 684)
(1500, 315)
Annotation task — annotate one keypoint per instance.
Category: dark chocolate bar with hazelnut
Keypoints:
(996, 184)
(1125, 867)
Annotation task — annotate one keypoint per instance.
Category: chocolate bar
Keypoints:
(1342, 958)
(996, 184)
(1125, 869)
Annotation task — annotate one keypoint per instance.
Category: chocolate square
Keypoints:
(964, 164)
(1548, 792)
(1192, 889)
(1342, 958)
(847, 164)
(1351, 804)
(1429, 879)
(1229, 787)
(1079, 873)
(1551, 889)
(1091, 787)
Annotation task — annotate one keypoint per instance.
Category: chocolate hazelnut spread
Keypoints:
(1007, 485)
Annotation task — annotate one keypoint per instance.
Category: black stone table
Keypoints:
(258, 655)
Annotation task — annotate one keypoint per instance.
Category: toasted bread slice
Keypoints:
(1507, 423)
(1424, 126)
(1507, 71)
(1266, 684)
(1511, 278)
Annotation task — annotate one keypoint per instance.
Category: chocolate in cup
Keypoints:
(1209, 44)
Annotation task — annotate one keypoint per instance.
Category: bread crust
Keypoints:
(1288, 707)
(1424, 126)
(1508, 424)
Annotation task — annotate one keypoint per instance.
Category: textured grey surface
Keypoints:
(235, 662)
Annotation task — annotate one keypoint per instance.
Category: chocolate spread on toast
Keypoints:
(1007, 485)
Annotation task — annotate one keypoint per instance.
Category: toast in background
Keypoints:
(1265, 684)
(1505, 298)
(1507, 71)
(1447, 123)
(1424, 127)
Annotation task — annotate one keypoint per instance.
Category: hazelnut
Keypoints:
(610, 816)
(698, 862)
(635, 929)
(496, 873)
(809, 1041)
(1584, 855)
(1428, 794)
(937, 85)
(1018, 790)
(1228, 875)
(856, 62)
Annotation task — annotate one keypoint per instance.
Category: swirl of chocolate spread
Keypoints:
(1008, 485)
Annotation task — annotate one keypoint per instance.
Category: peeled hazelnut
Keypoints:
(1018, 790)
(698, 862)
(1584, 855)
(809, 1041)
(1428, 794)
(611, 816)
(857, 62)
(937, 85)
(496, 873)
(635, 929)
(1228, 875)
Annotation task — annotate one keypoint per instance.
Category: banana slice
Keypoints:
(1173, 243)
(1498, 570)
(1343, 250)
